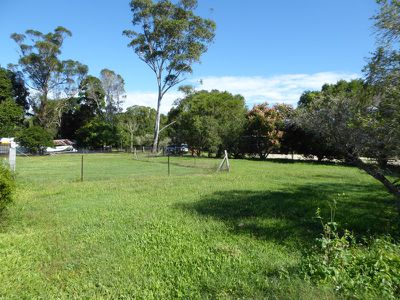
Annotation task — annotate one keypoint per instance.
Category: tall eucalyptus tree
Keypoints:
(169, 38)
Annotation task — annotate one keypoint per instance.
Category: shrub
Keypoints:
(7, 186)
(370, 269)
(35, 139)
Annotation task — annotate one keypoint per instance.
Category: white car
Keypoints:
(59, 149)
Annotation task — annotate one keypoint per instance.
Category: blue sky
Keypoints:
(264, 49)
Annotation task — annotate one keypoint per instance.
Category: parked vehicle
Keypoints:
(184, 148)
(60, 149)
(177, 149)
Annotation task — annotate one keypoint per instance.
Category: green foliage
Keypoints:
(355, 124)
(264, 129)
(113, 85)
(355, 88)
(387, 20)
(35, 139)
(357, 270)
(46, 73)
(136, 125)
(92, 95)
(171, 36)
(7, 187)
(209, 121)
(97, 133)
(307, 97)
(12, 86)
(11, 117)
(297, 140)
(81, 110)
(5, 86)
(382, 73)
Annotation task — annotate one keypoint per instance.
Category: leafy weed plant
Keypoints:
(366, 269)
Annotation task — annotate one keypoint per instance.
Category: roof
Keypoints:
(63, 142)
(6, 141)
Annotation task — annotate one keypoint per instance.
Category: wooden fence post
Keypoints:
(82, 168)
(169, 168)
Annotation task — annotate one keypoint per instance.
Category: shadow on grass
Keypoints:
(300, 161)
(389, 170)
(288, 216)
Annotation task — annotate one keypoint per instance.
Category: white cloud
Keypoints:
(281, 88)
(285, 88)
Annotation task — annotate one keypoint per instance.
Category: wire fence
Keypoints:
(111, 166)
(183, 160)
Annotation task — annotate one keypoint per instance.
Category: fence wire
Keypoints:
(110, 166)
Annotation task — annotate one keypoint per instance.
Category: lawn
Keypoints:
(131, 231)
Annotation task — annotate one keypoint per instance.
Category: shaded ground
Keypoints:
(289, 216)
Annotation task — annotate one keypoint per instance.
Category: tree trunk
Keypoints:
(157, 125)
(378, 175)
(131, 141)
(43, 108)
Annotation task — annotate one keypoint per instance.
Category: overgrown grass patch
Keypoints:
(131, 231)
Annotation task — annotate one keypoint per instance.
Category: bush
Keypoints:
(35, 139)
(7, 186)
(97, 133)
(370, 269)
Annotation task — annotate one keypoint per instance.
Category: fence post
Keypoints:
(12, 156)
(82, 168)
(169, 169)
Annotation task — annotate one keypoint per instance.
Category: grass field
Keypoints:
(131, 231)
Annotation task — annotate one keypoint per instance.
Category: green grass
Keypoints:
(131, 231)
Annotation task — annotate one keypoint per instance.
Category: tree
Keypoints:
(45, 72)
(80, 110)
(136, 124)
(130, 126)
(383, 74)
(352, 127)
(170, 38)
(11, 117)
(209, 121)
(113, 85)
(264, 130)
(11, 110)
(296, 139)
(35, 139)
(5, 86)
(12, 86)
(308, 143)
(387, 21)
(307, 97)
(92, 95)
(367, 123)
(97, 134)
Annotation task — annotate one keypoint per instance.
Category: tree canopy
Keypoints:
(12, 86)
(169, 38)
(209, 121)
(45, 72)
(113, 86)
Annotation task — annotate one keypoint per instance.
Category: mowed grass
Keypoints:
(131, 231)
